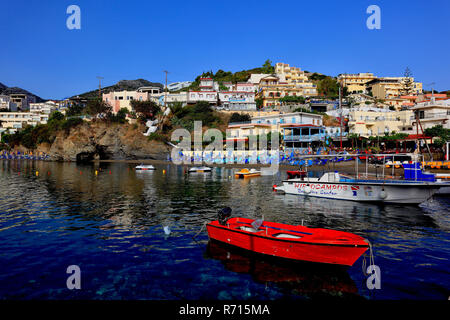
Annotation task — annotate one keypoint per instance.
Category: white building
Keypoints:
(432, 113)
(5, 102)
(237, 100)
(290, 118)
(43, 107)
(204, 95)
(174, 97)
(175, 86)
(12, 121)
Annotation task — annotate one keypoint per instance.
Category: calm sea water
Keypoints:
(112, 226)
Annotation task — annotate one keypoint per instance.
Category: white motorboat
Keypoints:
(199, 169)
(332, 185)
(415, 188)
(446, 189)
(145, 167)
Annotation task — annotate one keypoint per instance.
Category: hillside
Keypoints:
(129, 85)
(12, 90)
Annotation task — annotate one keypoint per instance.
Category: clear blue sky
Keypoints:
(139, 39)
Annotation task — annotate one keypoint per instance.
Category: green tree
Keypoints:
(148, 109)
(328, 87)
(98, 107)
(407, 85)
(237, 117)
(267, 67)
(74, 110)
(259, 102)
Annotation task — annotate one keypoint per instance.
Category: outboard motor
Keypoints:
(223, 215)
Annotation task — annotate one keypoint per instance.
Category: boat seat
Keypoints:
(249, 229)
(286, 235)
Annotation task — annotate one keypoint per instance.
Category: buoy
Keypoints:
(80, 172)
(37, 173)
(164, 171)
(166, 230)
(383, 194)
(96, 172)
(48, 173)
(109, 172)
(274, 187)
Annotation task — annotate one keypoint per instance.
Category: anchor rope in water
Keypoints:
(201, 229)
(371, 259)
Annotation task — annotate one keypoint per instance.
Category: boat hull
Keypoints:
(338, 254)
(366, 192)
(246, 175)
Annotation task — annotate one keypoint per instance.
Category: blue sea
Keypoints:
(140, 235)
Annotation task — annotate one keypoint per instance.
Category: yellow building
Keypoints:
(243, 130)
(356, 82)
(368, 123)
(391, 87)
(272, 88)
(292, 75)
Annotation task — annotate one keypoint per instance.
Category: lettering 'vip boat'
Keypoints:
(245, 173)
(416, 186)
(288, 241)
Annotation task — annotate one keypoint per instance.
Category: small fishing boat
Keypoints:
(145, 167)
(246, 173)
(199, 169)
(288, 241)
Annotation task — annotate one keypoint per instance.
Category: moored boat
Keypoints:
(415, 187)
(334, 186)
(288, 241)
(145, 167)
(199, 169)
(246, 173)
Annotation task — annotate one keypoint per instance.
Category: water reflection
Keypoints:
(305, 279)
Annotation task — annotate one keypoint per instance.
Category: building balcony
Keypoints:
(432, 116)
(305, 138)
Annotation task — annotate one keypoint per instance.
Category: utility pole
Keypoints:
(165, 91)
(340, 118)
(100, 86)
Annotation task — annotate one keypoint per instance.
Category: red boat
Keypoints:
(287, 241)
(296, 174)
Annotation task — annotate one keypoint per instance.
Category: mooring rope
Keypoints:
(371, 259)
(201, 229)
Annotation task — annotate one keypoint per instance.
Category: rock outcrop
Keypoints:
(104, 141)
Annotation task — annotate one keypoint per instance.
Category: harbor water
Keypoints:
(141, 235)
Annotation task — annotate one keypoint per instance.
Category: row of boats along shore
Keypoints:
(415, 187)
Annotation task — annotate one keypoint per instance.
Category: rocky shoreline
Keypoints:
(101, 141)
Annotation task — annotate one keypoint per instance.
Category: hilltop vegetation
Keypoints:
(129, 85)
(222, 76)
